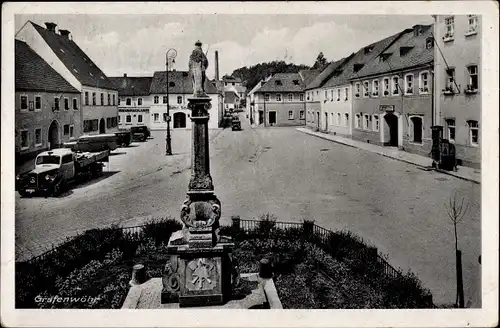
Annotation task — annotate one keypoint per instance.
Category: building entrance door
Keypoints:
(272, 118)
(261, 117)
(392, 122)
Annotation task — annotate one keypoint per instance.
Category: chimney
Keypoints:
(124, 74)
(216, 65)
(65, 33)
(51, 26)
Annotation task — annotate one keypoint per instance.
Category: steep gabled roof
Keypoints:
(415, 53)
(308, 75)
(322, 77)
(132, 86)
(75, 59)
(35, 74)
(230, 97)
(180, 82)
(284, 82)
(259, 85)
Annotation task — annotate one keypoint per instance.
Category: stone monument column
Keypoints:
(200, 268)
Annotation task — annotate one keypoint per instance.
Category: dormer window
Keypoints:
(171, 84)
(368, 49)
(385, 56)
(358, 67)
(404, 50)
(278, 82)
(429, 43)
(296, 82)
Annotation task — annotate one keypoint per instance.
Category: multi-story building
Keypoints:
(231, 101)
(47, 107)
(252, 99)
(99, 103)
(280, 101)
(133, 100)
(180, 88)
(457, 67)
(392, 103)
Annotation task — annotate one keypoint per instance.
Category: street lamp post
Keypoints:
(170, 55)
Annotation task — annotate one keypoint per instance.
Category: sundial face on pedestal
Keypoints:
(201, 274)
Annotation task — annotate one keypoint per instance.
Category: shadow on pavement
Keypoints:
(105, 175)
(118, 153)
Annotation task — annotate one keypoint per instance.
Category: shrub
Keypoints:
(160, 229)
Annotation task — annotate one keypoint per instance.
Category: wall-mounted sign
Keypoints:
(386, 108)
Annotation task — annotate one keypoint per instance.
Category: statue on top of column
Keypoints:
(198, 64)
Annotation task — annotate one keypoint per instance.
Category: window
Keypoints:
(449, 22)
(86, 98)
(358, 90)
(128, 101)
(278, 97)
(67, 159)
(429, 43)
(165, 99)
(375, 88)
(331, 92)
(290, 115)
(139, 101)
(156, 117)
(56, 104)
(339, 119)
(71, 131)
(473, 80)
(417, 128)
(424, 82)
(376, 123)
(113, 100)
(346, 119)
(290, 97)
(38, 137)
(179, 99)
(165, 117)
(66, 104)
(365, 88)
(24, 102)
(156, 99)
(332, 119)
(450, 78)
(128, 119)
(266, 97)
(472, 23)
(385, 86)
(233, 83)
(109, 99)
(75, 104)
(102, 99)
(395, 85)
(301, 97)
(38, 102)
(119, 101)
(139, 118)
(366, 122)
(409, 84)
(338, 94)
(346, 94)
(302, 115)
(450, 124)
(473, 132)
(326, 94)
(66, 129)
(358, 121)
(119, 119)
(24, 139)
(93, 99)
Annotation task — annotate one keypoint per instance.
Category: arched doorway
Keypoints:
(326, 121)
(53, 135)
(179, 120)
(391, 121)
(317, 119)
(102, 126)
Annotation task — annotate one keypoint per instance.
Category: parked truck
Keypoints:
(55, 169)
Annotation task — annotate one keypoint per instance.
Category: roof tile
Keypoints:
(132, 86)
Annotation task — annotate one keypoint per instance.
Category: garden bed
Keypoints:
(308, 273)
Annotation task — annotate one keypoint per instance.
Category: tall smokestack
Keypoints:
(216, 65)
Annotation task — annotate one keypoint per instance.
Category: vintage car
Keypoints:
(236, 123)
(123, 138)
(93, 143)
(140, 133)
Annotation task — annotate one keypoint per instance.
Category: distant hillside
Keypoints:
(253, 74)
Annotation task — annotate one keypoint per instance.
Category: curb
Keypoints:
(388, 156)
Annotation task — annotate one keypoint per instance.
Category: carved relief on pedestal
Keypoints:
(171, 281)
(203, 182)
(203, 213)
(201, 274)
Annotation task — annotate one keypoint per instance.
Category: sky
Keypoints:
(136, 44)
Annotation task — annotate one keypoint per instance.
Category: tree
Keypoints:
(456, 210)
(320, 61)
